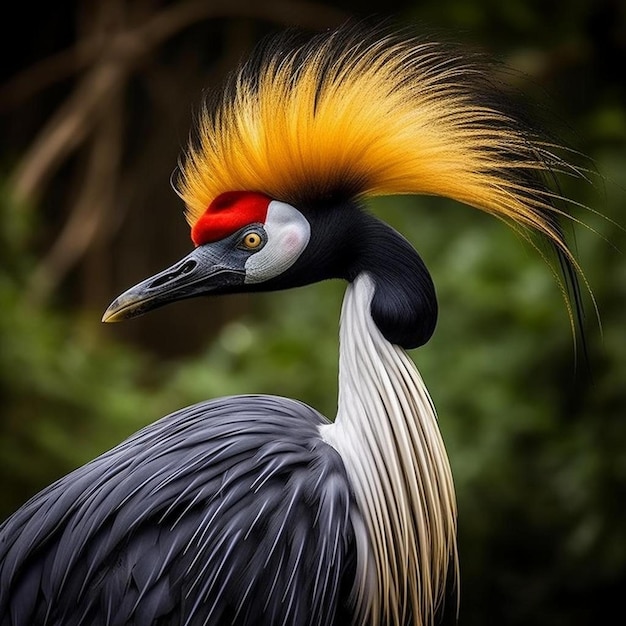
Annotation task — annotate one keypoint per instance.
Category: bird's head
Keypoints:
(245, 240)
(275, 177)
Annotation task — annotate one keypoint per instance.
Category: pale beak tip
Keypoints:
(115, 312)
(109, 316)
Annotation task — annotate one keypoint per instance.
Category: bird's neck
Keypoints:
(404, 302)
(387, 434)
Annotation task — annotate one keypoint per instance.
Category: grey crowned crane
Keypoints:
(257, 510)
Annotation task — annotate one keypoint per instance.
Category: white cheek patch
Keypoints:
(288, 233)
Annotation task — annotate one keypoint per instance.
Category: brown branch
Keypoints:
(51, 70)
(95, 201)
(67, 129)
(306, 14)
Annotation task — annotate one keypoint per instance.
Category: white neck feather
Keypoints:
(387, 434)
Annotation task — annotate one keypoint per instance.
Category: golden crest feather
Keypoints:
(354, 113)
(360, 111)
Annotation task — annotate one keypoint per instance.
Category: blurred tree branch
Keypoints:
(95, 198)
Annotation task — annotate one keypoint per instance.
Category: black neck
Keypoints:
(346, 241)
(404, 306)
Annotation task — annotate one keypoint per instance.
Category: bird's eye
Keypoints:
(251, 240)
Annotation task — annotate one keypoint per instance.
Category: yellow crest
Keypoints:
(353, 113)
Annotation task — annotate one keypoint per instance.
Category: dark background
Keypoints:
(96, 102)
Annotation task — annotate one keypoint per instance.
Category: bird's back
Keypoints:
(232, 511)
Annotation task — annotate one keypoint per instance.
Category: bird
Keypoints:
(256, 510)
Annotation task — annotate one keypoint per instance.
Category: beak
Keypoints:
(205, 270)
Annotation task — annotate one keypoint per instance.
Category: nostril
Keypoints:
(189, 266)
(161, 280)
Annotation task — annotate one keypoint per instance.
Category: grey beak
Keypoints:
(207, 269)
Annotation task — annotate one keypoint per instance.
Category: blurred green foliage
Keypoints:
(537, 442)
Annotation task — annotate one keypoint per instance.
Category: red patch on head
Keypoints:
(228, 213)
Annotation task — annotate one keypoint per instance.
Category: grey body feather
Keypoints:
(232, 511)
